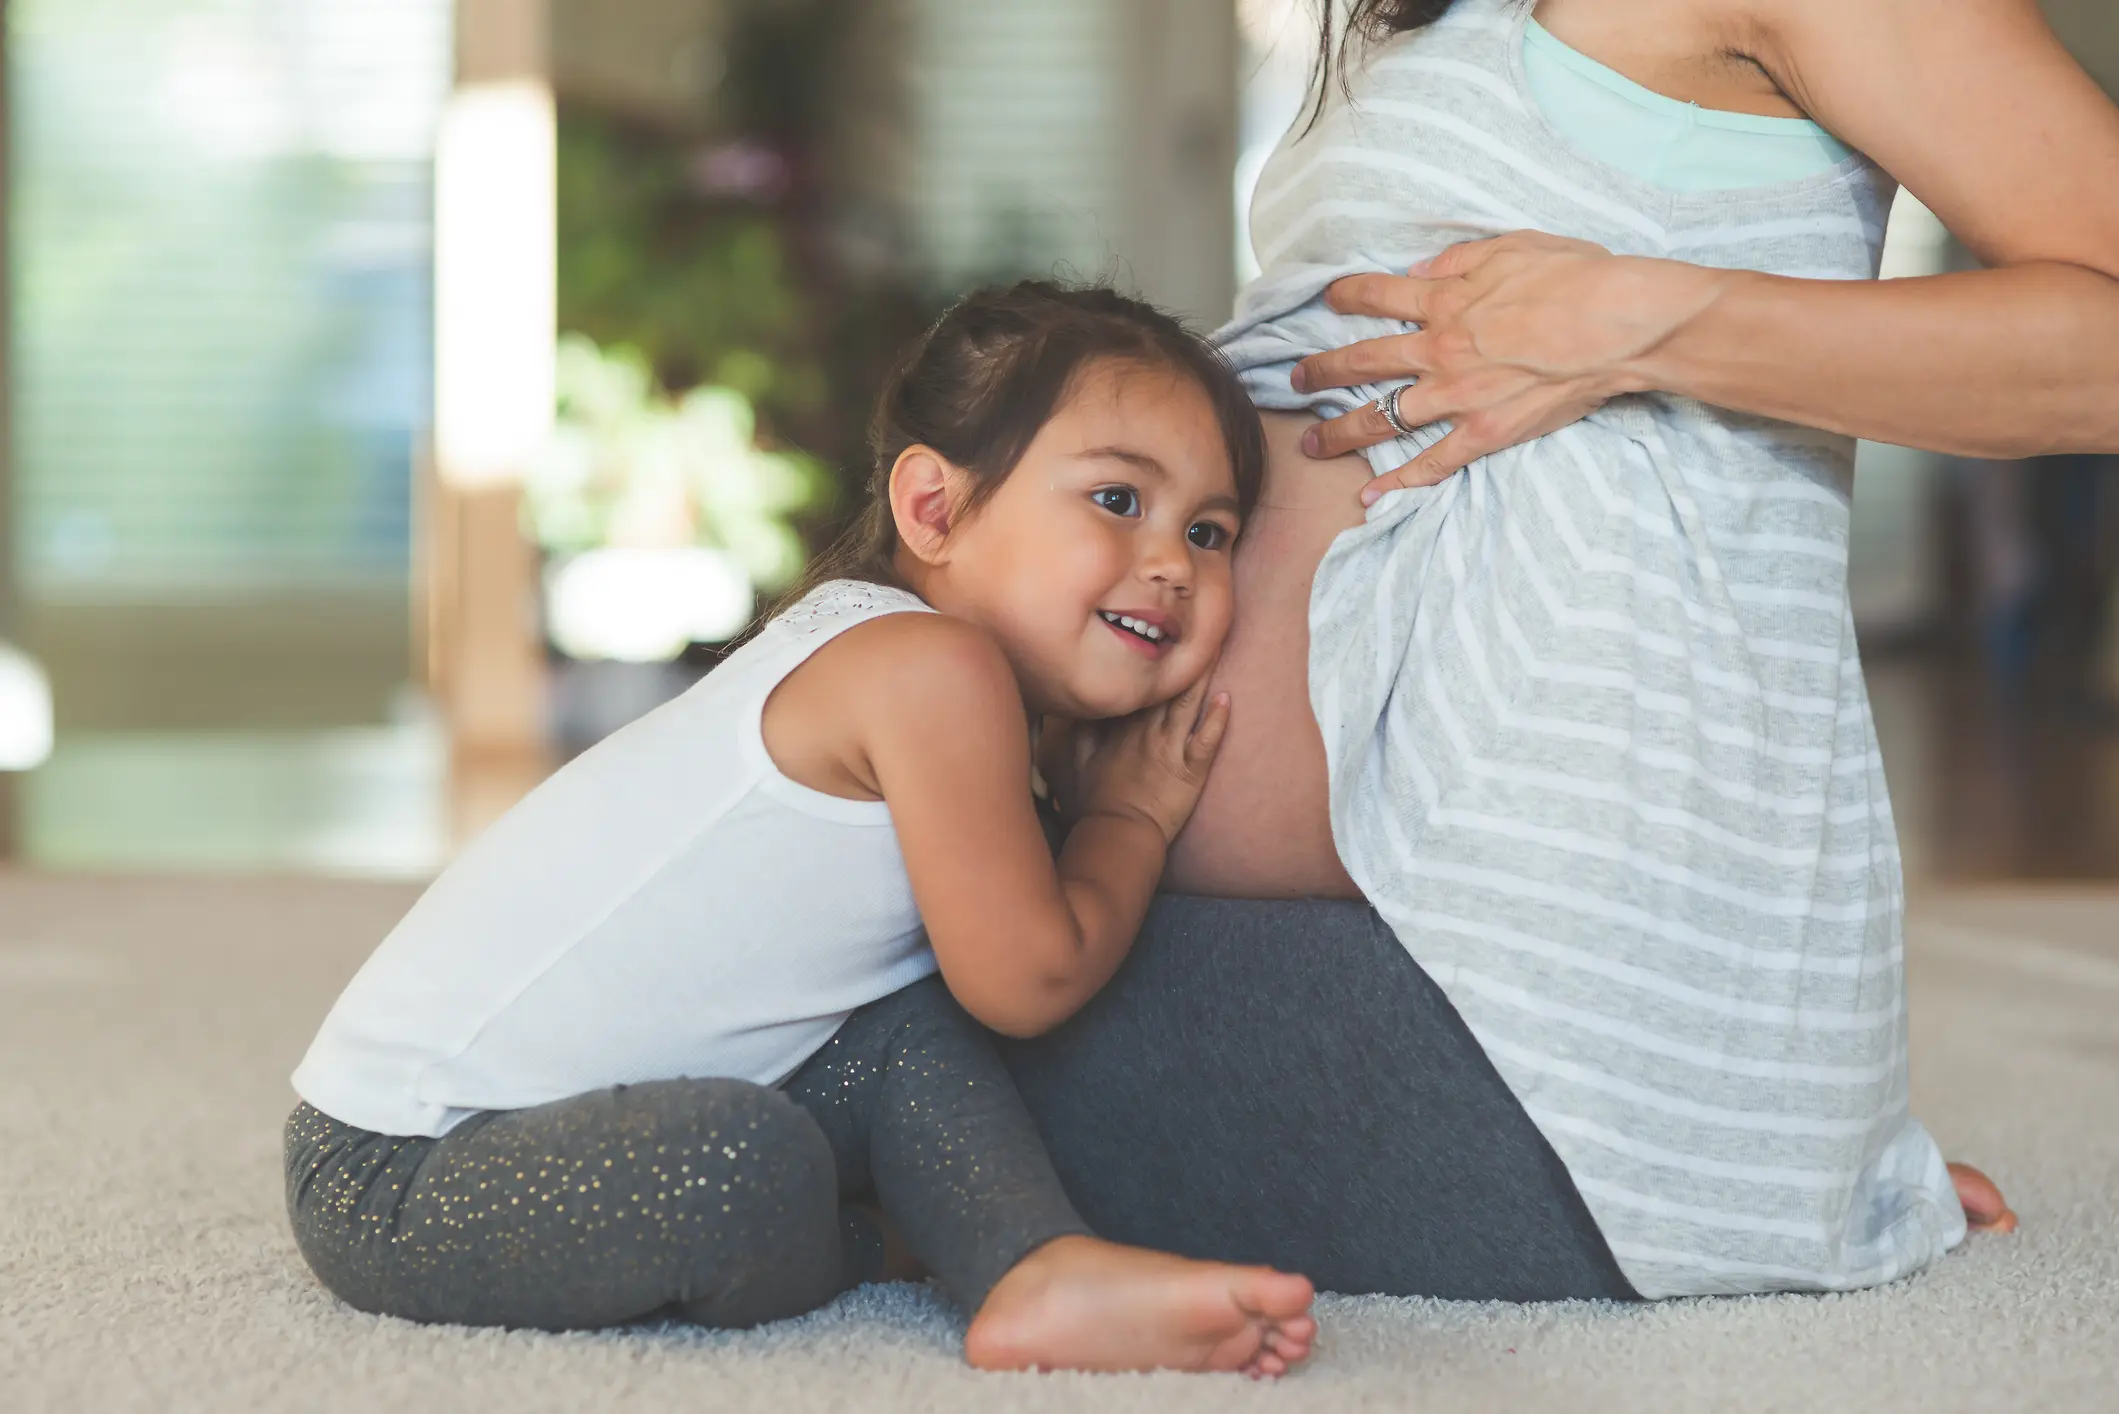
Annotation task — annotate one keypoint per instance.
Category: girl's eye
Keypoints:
(1119, 500)
(1208, 536)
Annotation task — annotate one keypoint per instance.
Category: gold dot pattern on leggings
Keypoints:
(609, 1195)
(688, 1191)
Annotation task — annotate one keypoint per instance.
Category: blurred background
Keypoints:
(402, 394)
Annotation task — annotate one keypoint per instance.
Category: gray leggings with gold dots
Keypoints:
(715, 1200)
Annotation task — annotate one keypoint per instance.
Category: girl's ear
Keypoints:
(923, 501)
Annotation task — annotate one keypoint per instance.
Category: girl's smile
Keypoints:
(1143, 630)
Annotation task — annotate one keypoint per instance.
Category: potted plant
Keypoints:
(663, 524)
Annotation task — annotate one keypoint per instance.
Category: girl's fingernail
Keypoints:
(1370, 496)
(1299, 380)
(1312, 443)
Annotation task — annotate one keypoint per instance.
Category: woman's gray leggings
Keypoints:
(717, 1200)
(1280, 1082)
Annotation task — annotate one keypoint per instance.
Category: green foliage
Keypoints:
(704, 288)
(630, 465)
(744, 290)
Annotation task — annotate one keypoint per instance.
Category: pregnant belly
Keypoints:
(1262, 829)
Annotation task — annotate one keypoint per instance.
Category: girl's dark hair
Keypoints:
(1368, 20)
(980, 385)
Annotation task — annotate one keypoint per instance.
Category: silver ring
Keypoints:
(1388, 406)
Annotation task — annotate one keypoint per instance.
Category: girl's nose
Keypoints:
(1166, 559)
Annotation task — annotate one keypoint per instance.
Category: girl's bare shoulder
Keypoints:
(926, 668)
(907, 687)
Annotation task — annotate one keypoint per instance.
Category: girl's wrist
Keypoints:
(1128, 814)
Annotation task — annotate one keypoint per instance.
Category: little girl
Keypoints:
(643, 1048)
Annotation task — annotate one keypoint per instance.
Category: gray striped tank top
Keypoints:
(1599, 743)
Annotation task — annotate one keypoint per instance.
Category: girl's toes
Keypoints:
(1267, 1366)
(1291, 1342)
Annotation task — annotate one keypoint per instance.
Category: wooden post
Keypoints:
(1183, 87)
(2089, 28)
(478, 578)
(10, 616)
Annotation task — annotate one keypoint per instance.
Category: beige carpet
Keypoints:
(147, 1028)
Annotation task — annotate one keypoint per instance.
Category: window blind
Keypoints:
(222, 250)
(1019, 134)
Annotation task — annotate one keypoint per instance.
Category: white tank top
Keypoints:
(669, 904)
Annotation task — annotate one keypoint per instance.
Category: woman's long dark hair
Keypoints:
(1367, 20)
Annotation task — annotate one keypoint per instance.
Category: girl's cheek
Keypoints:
(1217, 592)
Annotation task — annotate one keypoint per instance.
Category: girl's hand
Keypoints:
(1154, 763)
(1059, 752)
(1519, 336)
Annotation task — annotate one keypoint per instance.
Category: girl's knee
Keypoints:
(720, 1147)
(733, 1118)
(753, 1196)
(924, 1011)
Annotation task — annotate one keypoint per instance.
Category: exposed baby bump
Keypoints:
(1262, 829)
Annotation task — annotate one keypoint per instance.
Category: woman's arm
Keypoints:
(1974, 106)
(1022, 942)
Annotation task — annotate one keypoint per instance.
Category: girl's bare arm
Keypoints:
(1022, 942)
(1975, 107)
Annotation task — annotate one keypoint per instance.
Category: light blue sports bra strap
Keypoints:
(1680, 146)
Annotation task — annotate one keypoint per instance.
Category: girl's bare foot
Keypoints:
(1985, 1210)
(1080, 1303)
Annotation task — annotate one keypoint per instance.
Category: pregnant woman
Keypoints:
(1541, 928)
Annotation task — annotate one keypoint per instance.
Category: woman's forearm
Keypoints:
(1988, 363)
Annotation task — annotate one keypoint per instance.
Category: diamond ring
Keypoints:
(1388, 406)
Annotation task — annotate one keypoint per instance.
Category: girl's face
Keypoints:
(1101, 565)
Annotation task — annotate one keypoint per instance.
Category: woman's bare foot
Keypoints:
(1985, 1210)
(1080, 1303)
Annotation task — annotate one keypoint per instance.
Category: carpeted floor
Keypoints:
(147, 1028)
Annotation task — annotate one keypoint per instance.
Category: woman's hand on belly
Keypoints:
(1519, 336)
(1263, 825)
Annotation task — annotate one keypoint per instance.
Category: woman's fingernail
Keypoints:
(1370, 496)
(1299, 380)
(1312, 443)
